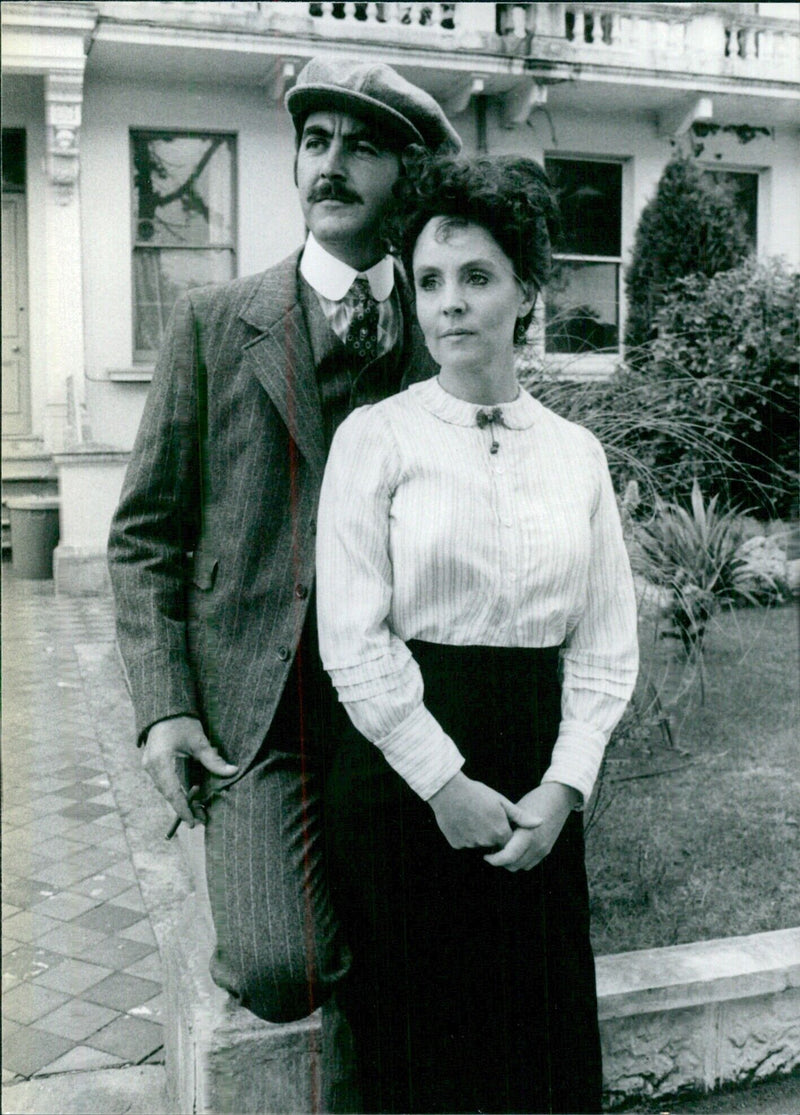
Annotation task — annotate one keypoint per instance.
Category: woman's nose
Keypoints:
(453, 300)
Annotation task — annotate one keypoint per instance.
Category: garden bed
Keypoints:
(701, 839)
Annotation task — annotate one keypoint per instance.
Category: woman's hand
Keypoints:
(553, 802)
(472, 815)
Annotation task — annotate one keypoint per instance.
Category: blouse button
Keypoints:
(284, 654)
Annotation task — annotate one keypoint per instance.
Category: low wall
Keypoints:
(688, 1018)
(695, 1017)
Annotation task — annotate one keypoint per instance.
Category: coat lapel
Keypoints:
(281, 359)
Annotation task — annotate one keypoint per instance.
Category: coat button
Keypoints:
(301, 592)
(284, 654)
(313, 525)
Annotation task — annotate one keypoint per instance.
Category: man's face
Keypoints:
(344, 178)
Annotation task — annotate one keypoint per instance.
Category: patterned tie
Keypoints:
(362, 335)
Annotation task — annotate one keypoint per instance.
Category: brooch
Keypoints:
(486, 418)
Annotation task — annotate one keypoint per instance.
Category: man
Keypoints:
(212, 546)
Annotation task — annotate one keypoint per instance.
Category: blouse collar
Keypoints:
(332, 278)
(519, 414)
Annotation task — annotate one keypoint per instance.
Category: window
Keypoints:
(13, 161)
(583, 295)
(743, 188)
(183, 224)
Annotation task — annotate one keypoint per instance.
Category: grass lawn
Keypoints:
(703, 840)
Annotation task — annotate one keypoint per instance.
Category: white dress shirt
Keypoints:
(331, 280)
(424, 533)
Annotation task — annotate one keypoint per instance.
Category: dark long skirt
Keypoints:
(473, 987)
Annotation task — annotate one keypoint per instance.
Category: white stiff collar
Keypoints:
(332, 278)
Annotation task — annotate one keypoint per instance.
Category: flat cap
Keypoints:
(375, 92)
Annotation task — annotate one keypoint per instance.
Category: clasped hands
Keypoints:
(472, 815)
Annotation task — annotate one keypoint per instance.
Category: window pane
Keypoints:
(183, 189)
(743, 188)
(13, 160)
(160, 276)
(582, 309)
(590, 199)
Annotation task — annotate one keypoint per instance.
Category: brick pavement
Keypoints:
(81, 972)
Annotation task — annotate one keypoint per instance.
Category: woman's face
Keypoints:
(468, 299)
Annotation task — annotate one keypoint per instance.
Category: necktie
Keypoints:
(362, 334)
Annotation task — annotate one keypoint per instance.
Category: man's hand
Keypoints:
(553, 802)
(472, 815)
(170, 743)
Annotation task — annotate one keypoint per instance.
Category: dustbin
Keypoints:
(34, 535)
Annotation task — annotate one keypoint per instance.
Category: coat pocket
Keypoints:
(204, 570)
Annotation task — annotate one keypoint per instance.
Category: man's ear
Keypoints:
(294, 166)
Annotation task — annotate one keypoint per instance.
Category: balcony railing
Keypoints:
(666, 38)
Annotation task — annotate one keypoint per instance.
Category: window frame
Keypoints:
(760, 175)
(597, 360)
(143, 359)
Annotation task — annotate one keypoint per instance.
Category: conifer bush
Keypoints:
(691, 226)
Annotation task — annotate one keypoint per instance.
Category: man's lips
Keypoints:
(457, 333)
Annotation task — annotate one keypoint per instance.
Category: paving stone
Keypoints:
(131, 899)
(72, 940)
(122, 992)
(149, 967)
(73, 976)
(116, 953)
(79, 791)
(102, 886)
(77, 1019)
(142, 931)
(107, 918)
(63, 873)
(28, 1001)
(65, 906)
(154, 1010)
(29, 926)
(131, 1038)
(97, 858)
(25, 892)
(85, 811)
(30, 961)
(84, 1059)
(31, 1049)
(50, 803)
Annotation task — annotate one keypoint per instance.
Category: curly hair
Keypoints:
(508, 195)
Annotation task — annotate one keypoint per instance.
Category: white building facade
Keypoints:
(146, 149)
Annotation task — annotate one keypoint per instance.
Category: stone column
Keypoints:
(63, 93)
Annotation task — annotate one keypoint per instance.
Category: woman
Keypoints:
(466, 534)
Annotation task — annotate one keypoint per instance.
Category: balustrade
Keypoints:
(705, 39)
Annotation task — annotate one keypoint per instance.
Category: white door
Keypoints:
(16, 371)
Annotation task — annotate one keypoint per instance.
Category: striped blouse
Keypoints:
(437, 525)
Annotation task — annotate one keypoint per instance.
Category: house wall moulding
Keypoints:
(63, 92)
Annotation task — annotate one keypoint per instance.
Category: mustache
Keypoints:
(332, 191)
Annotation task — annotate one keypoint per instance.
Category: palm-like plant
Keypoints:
(695, 556)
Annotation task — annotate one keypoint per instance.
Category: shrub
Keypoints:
(691, 226)
(696, 555)
(726, 361)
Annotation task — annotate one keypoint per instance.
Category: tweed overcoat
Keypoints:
(212, 559)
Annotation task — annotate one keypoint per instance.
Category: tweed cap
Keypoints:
(375, 92)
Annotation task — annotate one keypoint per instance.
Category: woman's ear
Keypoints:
(528, 291)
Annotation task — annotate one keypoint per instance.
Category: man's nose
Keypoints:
(333, 162)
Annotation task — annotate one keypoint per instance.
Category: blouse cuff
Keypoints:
(422, 753)
(576, 759)
(585, 671)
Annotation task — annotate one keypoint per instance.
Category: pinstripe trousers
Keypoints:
(280, 950)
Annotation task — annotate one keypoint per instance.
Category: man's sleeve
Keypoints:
(155, 525)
